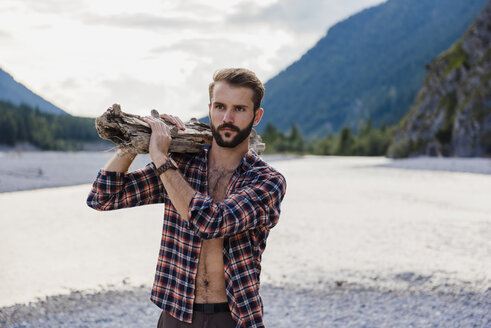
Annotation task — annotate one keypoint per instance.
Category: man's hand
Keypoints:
(174, 120)
(161, 139)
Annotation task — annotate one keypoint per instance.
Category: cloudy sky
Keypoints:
(84, 55)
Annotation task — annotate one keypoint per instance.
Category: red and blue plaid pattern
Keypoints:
(243, 219)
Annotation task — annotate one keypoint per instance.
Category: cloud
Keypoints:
(5, 35)
(159, 53)
(211, 54)
(131, 93)
(70, 83)
(298, 16)
(54, 6)
(289, 14)
(139, 97)
(198, 9)
(203, 47)
(94, 97)
(145, 21)
(204, 57)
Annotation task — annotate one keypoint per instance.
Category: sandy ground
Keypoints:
(346, 223)
(34, 170)
(353, 219)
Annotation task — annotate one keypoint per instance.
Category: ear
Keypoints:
(259, 115)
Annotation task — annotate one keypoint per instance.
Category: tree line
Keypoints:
(368, 141)
(24, 124)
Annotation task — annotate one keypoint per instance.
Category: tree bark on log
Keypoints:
(132, 135)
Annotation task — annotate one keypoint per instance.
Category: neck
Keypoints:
(227, 158)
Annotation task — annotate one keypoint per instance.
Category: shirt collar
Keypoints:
(246, 162)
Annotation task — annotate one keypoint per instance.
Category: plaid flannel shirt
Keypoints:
(251, 208)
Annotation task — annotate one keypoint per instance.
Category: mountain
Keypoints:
(14, 92)
(369, 66)
(451, 115)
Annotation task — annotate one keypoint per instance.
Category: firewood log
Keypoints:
(132, 135)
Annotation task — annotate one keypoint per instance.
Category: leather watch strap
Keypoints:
(169, 164)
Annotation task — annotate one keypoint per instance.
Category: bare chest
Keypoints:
(218, 180)
(210, 282)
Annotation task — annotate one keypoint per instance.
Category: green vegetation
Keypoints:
(402, 149)
(406, 147)
(455, 58)
(368, 141)
(23, 124)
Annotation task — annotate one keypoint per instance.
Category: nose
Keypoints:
(228, 116)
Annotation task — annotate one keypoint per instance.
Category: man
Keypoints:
(220, 205)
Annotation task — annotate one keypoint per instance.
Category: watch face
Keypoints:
(174, 164)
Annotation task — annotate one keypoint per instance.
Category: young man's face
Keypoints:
(232, 114)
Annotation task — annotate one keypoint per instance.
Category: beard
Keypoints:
(240, 136)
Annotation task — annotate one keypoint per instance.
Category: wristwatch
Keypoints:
(169, 164)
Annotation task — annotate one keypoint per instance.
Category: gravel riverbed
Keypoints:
(337, 306)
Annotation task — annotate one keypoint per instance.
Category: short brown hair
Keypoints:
(240, 77)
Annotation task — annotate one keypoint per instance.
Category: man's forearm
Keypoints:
(120, 162)
(178, 190)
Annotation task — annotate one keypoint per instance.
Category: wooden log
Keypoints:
(131, 134)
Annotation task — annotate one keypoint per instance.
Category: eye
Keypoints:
(239, 108)
(219, 106)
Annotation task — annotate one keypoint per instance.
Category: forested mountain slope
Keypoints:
(369, 66)
(16, 93)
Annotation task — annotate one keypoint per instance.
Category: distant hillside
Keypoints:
(451, 115)
(14, 92)
(368, 66)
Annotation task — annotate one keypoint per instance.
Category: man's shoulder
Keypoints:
(260, 167)
(261, 174)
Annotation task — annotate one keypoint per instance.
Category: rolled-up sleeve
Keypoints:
(254, 205)
(114, 190)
